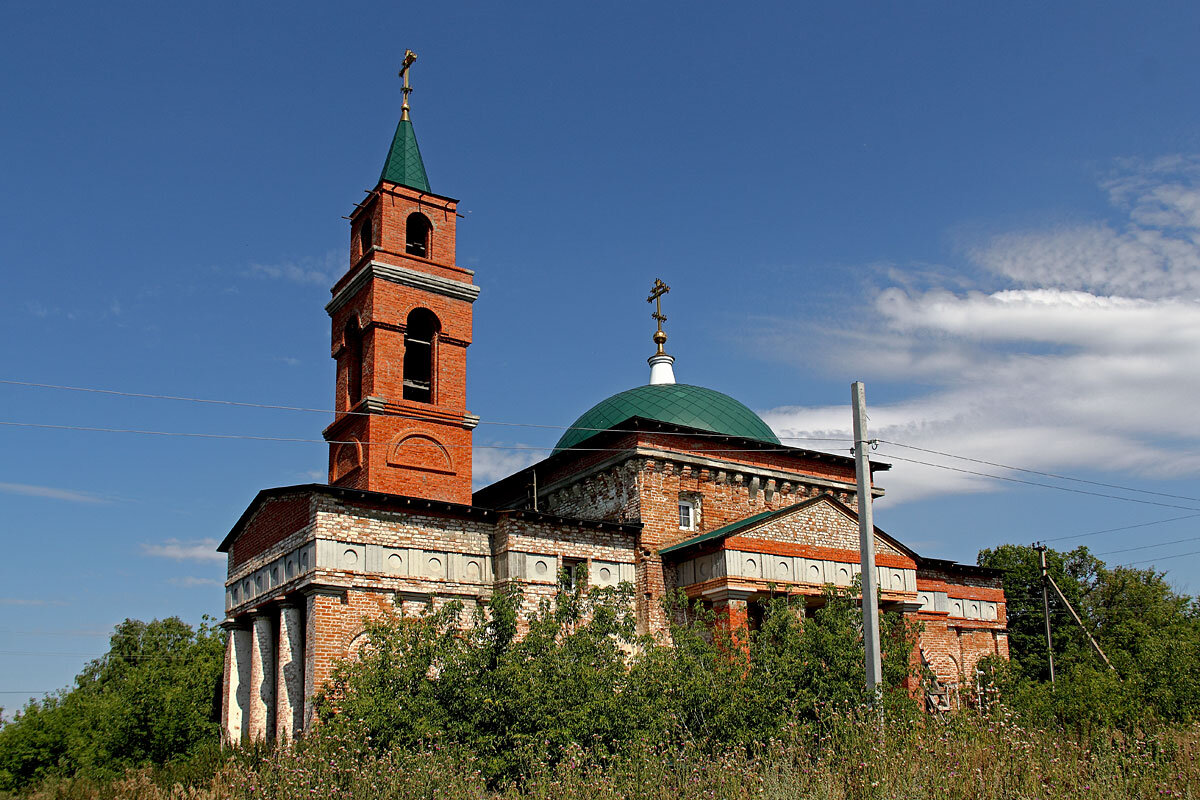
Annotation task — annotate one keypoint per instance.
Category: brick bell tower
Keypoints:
(401, 327)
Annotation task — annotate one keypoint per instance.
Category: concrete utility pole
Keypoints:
(866, 538)
(1041, 548)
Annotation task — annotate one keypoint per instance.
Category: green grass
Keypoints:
(851, 756)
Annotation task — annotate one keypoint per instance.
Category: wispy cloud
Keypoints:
(490, 464)
(52, 493)
(29, 601)
(179, 550)
(1079, 359)
(190, 582)
(323, 270)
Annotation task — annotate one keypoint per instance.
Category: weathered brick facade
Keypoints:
(398, 527)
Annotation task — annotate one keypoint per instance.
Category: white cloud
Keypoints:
(1083, 360)
(1152, 253)
(492, 462)
(190, 582)
(52, 493)
(322, 271)
(191, 550)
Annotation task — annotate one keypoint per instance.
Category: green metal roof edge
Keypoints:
(404, 164)
(734, 527)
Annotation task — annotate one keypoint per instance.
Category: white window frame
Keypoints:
(692, 506)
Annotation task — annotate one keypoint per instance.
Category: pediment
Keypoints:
(823, 524)
(820, 527)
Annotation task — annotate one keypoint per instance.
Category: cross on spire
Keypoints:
(409, 58)
(656, 292)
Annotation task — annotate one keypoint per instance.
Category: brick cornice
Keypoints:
(403, 276)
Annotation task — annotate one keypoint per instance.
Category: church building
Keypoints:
(665, 486)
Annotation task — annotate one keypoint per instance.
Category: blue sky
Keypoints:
(991, 215)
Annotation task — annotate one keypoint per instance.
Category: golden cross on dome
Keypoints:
(409, 58)
(656, 292)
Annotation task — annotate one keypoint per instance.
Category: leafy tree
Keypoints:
(148, 700)
(1150, 633)
(1075, 573)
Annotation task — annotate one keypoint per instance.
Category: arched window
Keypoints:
(366, 235)
(416, 235)
(419, 334)
(352, 337)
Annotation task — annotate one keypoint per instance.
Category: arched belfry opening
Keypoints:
(420, 332)
(417, 234)
(352, 340)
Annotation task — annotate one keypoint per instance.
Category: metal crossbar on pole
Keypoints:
(866, 537)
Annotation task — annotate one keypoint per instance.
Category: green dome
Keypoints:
(675, 404)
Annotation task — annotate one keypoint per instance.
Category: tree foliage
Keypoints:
(1150, 633)
(148, 700)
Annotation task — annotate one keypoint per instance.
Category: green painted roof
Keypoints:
(404, 165)
(673, 403)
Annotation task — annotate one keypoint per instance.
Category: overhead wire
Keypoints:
(531, 448)
(1149, 546)
(303, 440)
(1162, 558)
(1036, 483)
(1038, 472)
(1121, 528)
(279, 407)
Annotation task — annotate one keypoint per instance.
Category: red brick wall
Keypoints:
(954, 645)
(274, 521)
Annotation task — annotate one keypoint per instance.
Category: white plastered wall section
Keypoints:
(788, 570)
(961, 608)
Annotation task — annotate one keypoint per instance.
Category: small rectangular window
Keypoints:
(687, 515)
(574, 574)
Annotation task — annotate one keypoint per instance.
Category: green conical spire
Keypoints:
(404, 165)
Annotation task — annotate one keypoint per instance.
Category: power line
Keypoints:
(1162, 558)
(517, 448)
(1035, 483)
(1148, 546)
(279, 407)
(301, 440)
(1038, 472)
(1122, 528)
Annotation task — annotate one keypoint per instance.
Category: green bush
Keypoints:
(580, 677)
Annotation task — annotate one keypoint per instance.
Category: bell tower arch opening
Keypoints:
(420, 357)
(418, 235)
(352, 342)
